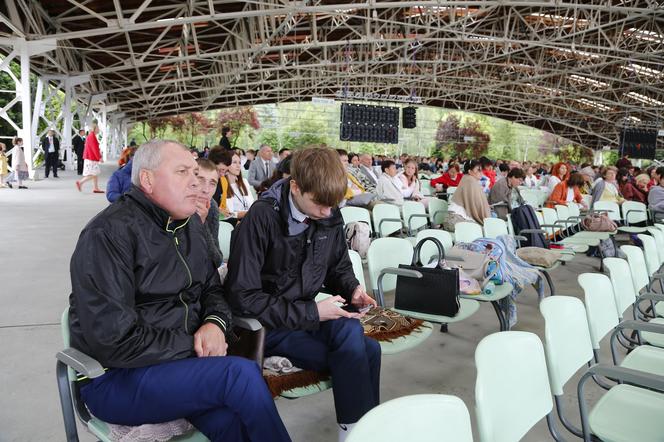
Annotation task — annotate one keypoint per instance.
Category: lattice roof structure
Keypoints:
(578, 69)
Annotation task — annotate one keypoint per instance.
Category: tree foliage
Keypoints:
(238, 119)
(466, 139)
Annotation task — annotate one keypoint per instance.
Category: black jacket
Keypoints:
(79, 145)
(275, 277)
(142, 286)
(56, 144)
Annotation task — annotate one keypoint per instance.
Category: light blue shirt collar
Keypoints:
(295, 212)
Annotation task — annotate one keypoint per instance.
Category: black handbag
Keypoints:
(435, 293)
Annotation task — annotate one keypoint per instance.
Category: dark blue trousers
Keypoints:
(225, 398)
(340, 347)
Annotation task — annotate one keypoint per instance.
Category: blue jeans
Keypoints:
(339, 347)
(225, 398)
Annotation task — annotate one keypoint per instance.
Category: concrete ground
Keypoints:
(38, 232)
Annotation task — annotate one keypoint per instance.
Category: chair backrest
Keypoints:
(531, 197)
(601, 309)
(358, 270)
(356, 214)
(387, 252)
(428, 249)
(611, 206)
(574, 209)
(512, 390)
(566, 339)
(225, 232)
(549, 216)
(620, 275)
(510, 226)
(451, 190)
(634, 212)
(494, 227)
(383, 211)
(562, 211)
(410, 208)
(426, 190)
(467, 232)
(437, 210)
(422, 418)
(637, 267)
(659, 240)
(650, 253)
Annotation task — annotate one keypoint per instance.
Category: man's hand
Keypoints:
(209, 340)
(361, 299)
(328, 309)
(202, 208)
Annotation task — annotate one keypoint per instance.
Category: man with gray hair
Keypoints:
(262, 167)
(148, 304)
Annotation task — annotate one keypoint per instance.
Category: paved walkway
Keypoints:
(38, 231)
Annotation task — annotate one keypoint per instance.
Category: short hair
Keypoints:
(606, 169)
(317, 171)
(386, 164)
(219, 155)
(470, 165)
(225, 130)
(517, 172)
(575, 180)
(283, 149)
(342, 152)
(642, 178)
(206, 164)
(484, 162)
(148, 157)
(503, 167)
(660, 172)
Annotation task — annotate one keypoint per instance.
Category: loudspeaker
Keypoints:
(362, 122)
(409, 118)
(638, 143)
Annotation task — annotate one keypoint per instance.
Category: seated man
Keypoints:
(288, 246)
(356, 193)
(147, 303)
(207, 209)
(505, 195)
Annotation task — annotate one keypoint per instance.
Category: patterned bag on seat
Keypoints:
(358, 237)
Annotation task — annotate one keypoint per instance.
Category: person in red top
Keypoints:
(488, 170)
(567, 191)
(630, 190)
(91, 160)
(451, 178)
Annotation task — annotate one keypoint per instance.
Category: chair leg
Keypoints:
(504, 326)
(550, 282)
(66, 402)
(443, 328)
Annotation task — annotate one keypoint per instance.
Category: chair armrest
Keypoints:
(80, 362)
(543, 232)
(635, 377)
(250, 324)
(393, 271)
(416, 215)
(635, 211)
(641, 326)
(650, 296)
(520, 238)
(385, 220)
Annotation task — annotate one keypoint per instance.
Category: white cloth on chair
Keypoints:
(279, 364)
(150, 432)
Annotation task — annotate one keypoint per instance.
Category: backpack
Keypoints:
(358, 237)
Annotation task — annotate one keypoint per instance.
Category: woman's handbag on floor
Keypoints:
(436, 293)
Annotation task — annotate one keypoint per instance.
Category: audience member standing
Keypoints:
(262, 167)
(19, 165)
(78, 143)
(4, 165)
(224, 142)
(51, 146)
(92, 158)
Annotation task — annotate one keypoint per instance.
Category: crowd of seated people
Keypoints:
(298, 198)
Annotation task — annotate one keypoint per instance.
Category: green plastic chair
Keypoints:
(71, 403)
(437, 211)
(494, 227)
(602, 320)
(422, 418)
(414, 216)
(616, 415)
(358, 270)
(651, 255)
(225, 232)
(356, 214)
(633, 212)
(659, 241)
(429, 250)
(386, 219)
(512, 391)
(611, 208)
(427, 190)
(467, 232)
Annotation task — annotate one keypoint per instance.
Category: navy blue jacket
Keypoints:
(119, 183)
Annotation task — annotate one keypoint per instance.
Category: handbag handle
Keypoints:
(418, 247)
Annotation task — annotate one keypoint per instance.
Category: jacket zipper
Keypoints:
(177, 250)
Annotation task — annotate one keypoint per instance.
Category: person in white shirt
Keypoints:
(367, 169)
(531, 180)
(390, 187)
(559, 173)
(239, 197)
(411, 184)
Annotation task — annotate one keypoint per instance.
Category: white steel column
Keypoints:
(65, 143)
(26, 108)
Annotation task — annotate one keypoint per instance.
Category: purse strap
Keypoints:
(418, 247)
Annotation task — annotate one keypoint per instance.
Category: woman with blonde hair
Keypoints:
(468, 202)
(91, 160)
(607, 188)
